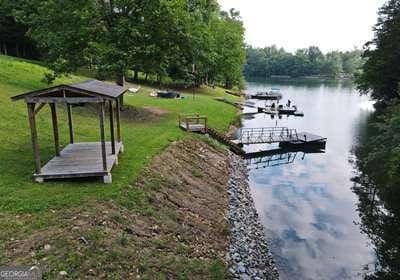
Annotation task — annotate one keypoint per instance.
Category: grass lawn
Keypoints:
(58, 212)
(143, 139)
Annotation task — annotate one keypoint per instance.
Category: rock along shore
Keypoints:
(248, 256)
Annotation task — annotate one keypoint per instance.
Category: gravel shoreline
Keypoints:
(248, 256)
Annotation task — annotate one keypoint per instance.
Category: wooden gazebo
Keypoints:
(77, 160)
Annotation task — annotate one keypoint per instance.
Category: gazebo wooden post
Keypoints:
(111, 109)
(103, 136)
(70, 124)
(55, 128)
(118, 113)
(35, 143)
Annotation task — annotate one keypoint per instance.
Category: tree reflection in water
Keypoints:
(377, 185)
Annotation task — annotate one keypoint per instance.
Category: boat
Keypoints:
(168, 94)
(284, 110)
(298, 114)
(273, 94)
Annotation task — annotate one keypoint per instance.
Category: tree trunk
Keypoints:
(17, 49)
(227, 84)
(121, 82)
(24, 50)
(5, 48)
(135, 75)
(147, 75)
(120, 79)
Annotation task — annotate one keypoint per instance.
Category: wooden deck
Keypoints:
(193, 123)
(194, 127)
(80, 160)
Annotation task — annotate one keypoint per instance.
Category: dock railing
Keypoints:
(193, 122)
(267, 135)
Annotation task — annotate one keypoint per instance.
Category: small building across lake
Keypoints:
(77, 160)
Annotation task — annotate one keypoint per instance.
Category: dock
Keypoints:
(265, 135)
(285, 137)
(305, 139)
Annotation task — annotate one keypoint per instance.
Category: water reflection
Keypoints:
(378, 207)
(308, 208)
(276, 157)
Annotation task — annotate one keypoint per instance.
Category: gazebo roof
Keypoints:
(91, 88)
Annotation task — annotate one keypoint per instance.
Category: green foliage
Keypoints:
(381, 72)
(186, 40)
(13, 39)
(271, 61)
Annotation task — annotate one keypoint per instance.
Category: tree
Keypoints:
(12, 34)
(332, 65)
(381, 71)
(161, 37)
(228, 33)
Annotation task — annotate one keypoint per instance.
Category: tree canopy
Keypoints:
(271, 61)
(188, 40)
(381, 72)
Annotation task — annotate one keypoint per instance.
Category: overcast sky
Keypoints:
(293, 24)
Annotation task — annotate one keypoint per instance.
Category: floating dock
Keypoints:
(305, 140)
(286, 137)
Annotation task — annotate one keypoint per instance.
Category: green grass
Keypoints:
(142, 139)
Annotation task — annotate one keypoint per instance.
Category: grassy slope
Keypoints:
(142, 139)
(29, 209)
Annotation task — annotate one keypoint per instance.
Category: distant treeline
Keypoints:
(272, 61)
(188, 41)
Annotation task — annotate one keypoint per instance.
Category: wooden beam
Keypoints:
(103, 136)
(111, 109)
(118, 113)
(70, 124)
(35, 143)
(71, 100)
(39, 108)
(55, 128)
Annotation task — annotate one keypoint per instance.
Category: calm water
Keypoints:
(305, 201)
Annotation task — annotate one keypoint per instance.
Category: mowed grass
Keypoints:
(142, 139)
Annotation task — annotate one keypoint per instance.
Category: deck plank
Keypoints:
(80, 160)
(194, 127)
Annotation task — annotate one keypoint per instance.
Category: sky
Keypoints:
(292, 24)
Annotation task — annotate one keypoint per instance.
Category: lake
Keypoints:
(305, 200)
